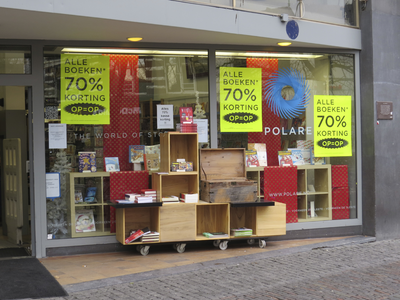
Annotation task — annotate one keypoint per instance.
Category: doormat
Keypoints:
(27, 278)
(13, 252)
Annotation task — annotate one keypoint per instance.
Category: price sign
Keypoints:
(332, 120)
(85, 89)
(240, 99)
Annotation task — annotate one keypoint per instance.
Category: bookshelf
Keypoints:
(101, 208)
(314, 184)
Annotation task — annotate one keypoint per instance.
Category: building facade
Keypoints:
(187, 48)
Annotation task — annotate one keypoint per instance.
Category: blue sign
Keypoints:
(292, 29)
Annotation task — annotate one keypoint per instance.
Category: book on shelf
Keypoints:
(84, 221)
(136, 153)
(79, 193)
(152, 236)
(215, 235)
(131, 197)
(182, 166)
(252, 159)
(124, 201)
(153, 162)
(189, 198)
(148, 192)
(87, 162)
(112, 164)
(170, 199)
(285, 158)
(144, 199)
(297, 156)
(152, 158)
(90, 195)
(311, 209)
(135, 234)
(241, 232)
(261, 149)
(316, 160)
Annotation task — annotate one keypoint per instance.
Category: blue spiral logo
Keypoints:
(273, 93)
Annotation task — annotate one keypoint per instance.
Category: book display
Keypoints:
(178, 215)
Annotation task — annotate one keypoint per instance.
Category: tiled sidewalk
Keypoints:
(83, 268)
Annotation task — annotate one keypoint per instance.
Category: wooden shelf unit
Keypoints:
(319, 176)
(101, 208)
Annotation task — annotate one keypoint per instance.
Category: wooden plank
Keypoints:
(120, 225)
(226, 163)
(271, 220)
(177, 222)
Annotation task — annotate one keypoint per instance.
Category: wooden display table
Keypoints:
(178, 223)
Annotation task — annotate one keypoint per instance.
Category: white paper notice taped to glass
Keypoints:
(165, 116)
(202, 129)
(53, 189)
(57, 136)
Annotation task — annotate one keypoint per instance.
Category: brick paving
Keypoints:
(352, 271)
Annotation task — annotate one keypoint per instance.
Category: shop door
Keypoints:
(13, 189)
(15, 140)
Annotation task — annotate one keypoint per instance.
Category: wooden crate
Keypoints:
(223, 176)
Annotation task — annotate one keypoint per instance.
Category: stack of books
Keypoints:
(188, 127)
(170, 199)
(189, 198)
(149, 193)
(135, 234)
(242, 232)
(152, 236)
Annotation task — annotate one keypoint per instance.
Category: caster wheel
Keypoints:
(174, 246)
(223, 245)
(180, 248)
(262, 243)
(145, 250)
(251, 241)
(216, 243)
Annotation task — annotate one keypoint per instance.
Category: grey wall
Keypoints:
(380, 81)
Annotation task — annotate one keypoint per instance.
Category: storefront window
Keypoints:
(295, 106)
(134, 85)
(15, 60)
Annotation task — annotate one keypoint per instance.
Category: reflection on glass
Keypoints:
(15, 60)
(319, 197)
(140, 80)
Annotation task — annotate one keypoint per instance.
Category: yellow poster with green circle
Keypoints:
(332, 126)
(85, 89)
(240, 99)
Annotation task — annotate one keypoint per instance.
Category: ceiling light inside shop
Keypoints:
(133, 51)
(134, 39)
(266, 54)
(283, 44)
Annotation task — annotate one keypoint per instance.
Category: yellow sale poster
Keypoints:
(240, 99)
(332, 126)
(85, 89)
